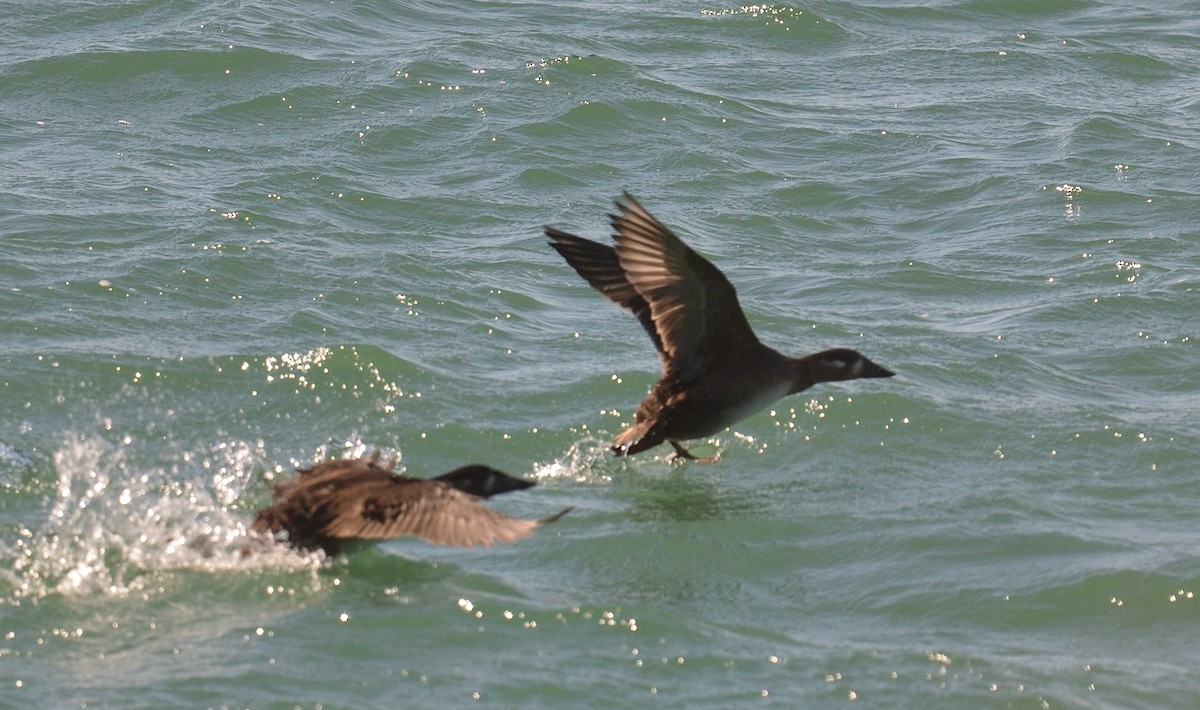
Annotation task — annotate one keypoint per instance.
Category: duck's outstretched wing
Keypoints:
(599, 266)
(693, 307)
(432, 510)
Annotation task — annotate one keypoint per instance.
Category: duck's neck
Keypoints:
(803, 372)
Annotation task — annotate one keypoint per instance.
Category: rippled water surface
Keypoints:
(239, 237)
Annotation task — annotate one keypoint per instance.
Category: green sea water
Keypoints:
(238, 237)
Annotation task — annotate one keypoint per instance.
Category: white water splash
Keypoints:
(584, 462)
(115, 528)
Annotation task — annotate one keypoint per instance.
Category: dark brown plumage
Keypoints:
(358, 499)
(715, 370)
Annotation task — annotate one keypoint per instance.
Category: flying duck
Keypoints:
(715, 370)
(358, 499)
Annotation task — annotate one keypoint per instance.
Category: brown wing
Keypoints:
(335, 472)
(693, 306)
(305, 503)
(432, 510)
(598, 265)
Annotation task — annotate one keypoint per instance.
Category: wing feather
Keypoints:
(694, 308)
(599, 266)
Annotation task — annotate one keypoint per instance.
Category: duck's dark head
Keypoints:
(483, 481)
(844, 364)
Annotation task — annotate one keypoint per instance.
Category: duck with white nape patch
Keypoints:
(715, 370)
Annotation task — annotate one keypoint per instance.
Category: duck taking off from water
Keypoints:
(715, 370)
(359, 499)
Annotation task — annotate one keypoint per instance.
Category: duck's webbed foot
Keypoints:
(682, 453)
